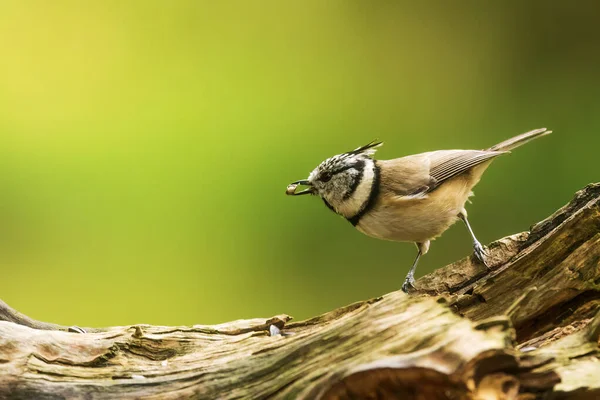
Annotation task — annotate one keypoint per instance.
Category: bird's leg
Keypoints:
(410, 277)
(477, 247)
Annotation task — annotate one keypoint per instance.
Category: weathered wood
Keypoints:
(526, 329)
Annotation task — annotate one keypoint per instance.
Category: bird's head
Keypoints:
(343, 181)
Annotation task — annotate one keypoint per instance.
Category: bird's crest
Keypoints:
(368, 149)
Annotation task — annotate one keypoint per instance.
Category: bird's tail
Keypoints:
(520, 140)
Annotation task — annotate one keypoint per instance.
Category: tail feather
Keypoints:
(520, 140)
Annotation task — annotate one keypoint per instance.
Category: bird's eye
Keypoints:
(325, 177)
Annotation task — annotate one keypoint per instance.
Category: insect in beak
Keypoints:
(291, 189)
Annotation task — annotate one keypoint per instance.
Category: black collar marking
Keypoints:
(368, 205)
(328, 205)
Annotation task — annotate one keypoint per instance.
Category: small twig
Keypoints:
(76, 329)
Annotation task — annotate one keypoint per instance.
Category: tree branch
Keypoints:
(526, 329)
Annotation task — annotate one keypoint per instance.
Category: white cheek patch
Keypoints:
(359, 198)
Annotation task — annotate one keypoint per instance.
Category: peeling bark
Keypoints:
(526, 329)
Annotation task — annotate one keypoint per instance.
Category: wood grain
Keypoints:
(527, 329)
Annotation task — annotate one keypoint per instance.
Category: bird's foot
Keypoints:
(480, 253)
(76, 329)
(409, 284)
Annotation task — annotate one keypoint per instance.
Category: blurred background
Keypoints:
(145, 146)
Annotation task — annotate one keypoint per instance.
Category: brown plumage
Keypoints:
(421, 195)
(408, 199)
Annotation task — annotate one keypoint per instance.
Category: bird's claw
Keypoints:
(480, 253)
(408, 284)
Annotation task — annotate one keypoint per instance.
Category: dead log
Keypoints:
(526, 329)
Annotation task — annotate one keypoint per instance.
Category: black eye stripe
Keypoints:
(359, 166)
(337, 171)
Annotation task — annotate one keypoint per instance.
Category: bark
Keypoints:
(527, 328)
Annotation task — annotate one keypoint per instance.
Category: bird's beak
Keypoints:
(291, 189)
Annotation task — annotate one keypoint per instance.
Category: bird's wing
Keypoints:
(446, 164)
(413, 177)
(407, 176)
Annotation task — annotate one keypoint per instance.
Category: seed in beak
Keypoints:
(291, 189)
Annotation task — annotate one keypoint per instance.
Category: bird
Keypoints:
(414, 198)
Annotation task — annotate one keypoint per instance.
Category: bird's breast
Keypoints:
(407, 226)
(405, 219)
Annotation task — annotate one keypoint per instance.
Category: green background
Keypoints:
(145, 146)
